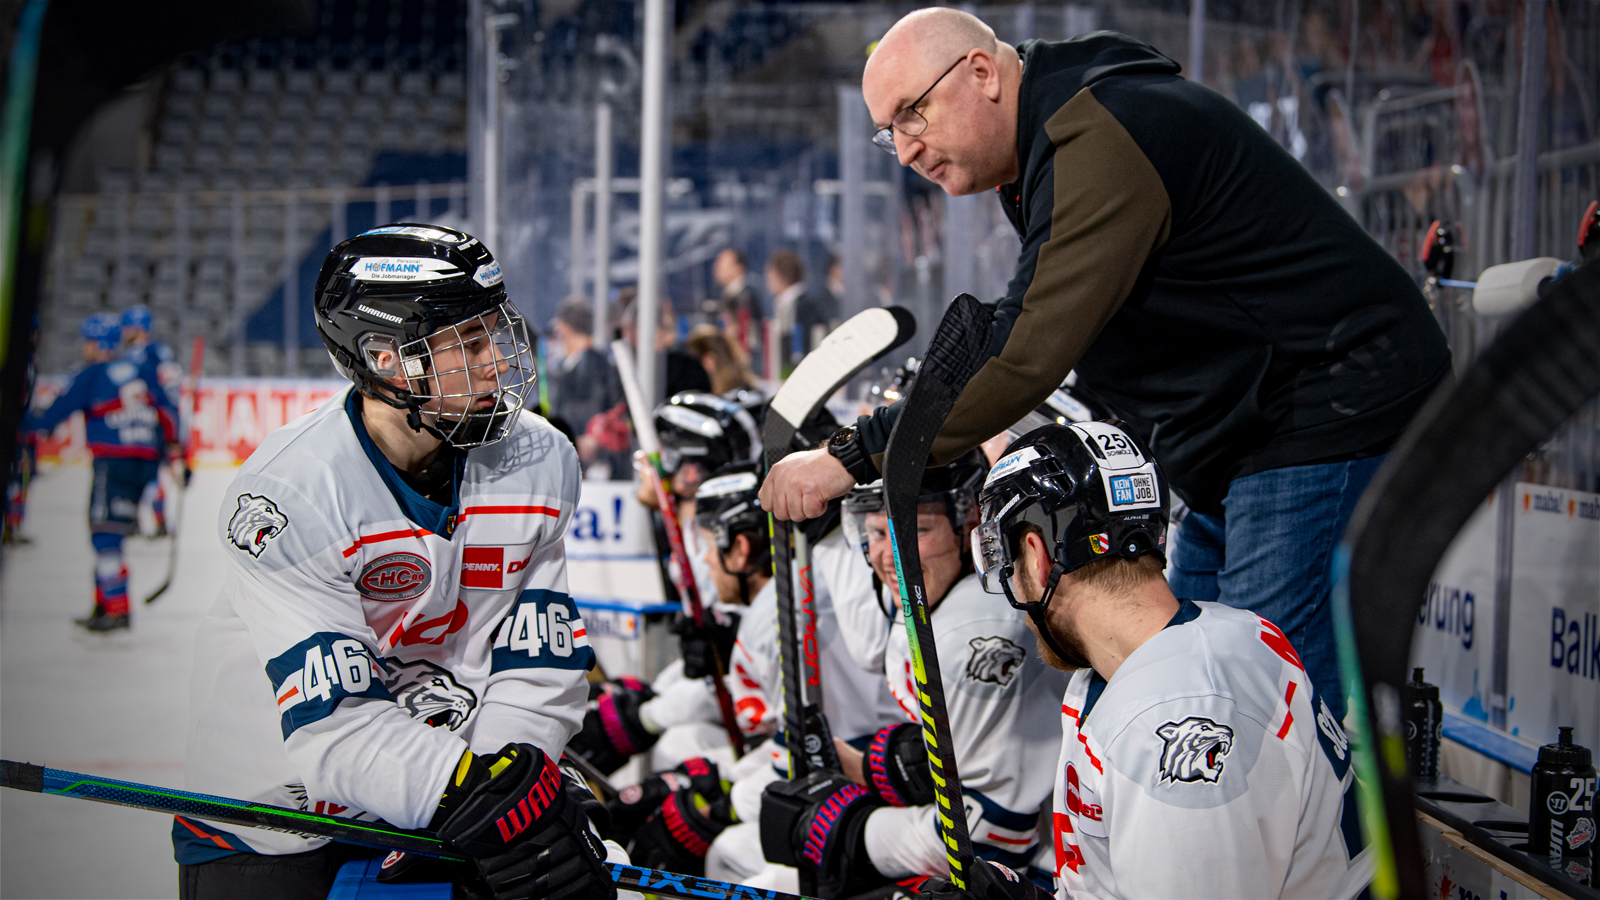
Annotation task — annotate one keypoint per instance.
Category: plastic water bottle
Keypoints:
(1561, 824)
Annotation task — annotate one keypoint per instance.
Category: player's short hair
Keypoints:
(1117, 576)
(787, 264)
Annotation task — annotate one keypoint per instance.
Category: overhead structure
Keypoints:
(652, 191)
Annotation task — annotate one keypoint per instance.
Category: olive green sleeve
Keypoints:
(1109, 214)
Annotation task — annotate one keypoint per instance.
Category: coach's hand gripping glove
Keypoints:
(512, 814)
(987, 881)
(612, 729)
(896, 766)
(706, 644)
(818, 823)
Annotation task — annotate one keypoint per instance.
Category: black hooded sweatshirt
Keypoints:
(1195, 275)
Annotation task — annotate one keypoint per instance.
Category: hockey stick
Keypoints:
(1540, 370)
(377, 835)
(846, 350)
(956, 351)
(197, 355)
(645, 428)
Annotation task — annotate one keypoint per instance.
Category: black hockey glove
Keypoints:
(679, 834)
(412, 868)
(512, 814)
(896, 766)
(637, 802)
(612, 732)
(988, 881)
(818, 823)
(704, 645)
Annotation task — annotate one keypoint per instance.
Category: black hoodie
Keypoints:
(1195, 275)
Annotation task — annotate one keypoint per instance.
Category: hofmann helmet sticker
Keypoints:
(1010, 463)
(488, 274)
(401, 268)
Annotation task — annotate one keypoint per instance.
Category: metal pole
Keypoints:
(237, 352)
(652, 181)
(600, 250)
(1197, 41)
(291, 290)
(1525, 211)
(491, 127)
(380, 204)
(578, 226)
(339, 229)
(854, 132)
(424, 211)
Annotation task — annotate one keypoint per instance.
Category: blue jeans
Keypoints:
(1271, 552)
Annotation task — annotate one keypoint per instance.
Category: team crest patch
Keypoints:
(994, 659)
(429, 693)
(256, 521)
(394, 577)
(1099, 543)
(1194, 751)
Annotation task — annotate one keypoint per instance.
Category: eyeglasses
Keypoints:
(909, 121)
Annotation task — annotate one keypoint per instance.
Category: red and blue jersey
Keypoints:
(124, 415)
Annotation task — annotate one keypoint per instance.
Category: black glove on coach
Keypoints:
(512, 814)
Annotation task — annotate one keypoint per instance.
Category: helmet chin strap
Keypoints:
(1037, 612)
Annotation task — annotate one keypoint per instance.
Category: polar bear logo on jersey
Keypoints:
(255, 522)
(1194, 749)
(994, 659)
(429, 693)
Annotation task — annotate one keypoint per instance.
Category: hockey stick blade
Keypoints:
(956, 351)
(854, 345)
(375, 835)
(1540, 370)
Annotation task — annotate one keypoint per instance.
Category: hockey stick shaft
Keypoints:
(644, 429)
(376, 835)
(955, 352)
(197, 355)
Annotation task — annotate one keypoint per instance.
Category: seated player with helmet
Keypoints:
(397, 589)
(1196, 759)
(128, 418)
(878, 823)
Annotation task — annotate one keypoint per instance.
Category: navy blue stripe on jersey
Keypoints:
(195, 842)
(1188, 611)
(1014, 850)
(1097, 686)
(311, 678)
(543, 631)
(425, 513)
(999, 815)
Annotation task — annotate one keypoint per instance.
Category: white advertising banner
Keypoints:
(1454, 637)
(1553, 671)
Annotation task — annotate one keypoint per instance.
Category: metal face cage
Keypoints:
(455, 372)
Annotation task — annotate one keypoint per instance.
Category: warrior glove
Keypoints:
(512, 814)
(986, 881)
(896, 766)
(612, 729)
(818, 823)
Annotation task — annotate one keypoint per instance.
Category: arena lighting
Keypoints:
(1540, 370)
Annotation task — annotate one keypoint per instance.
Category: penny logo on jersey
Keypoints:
(256, 521)
(394, 577)
(486, 567)
(994, 659)
(1194, 749)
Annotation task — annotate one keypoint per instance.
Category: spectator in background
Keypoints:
(682, 371)
(723, 362)
(742, 318)
(819, 306)
(583, 384)
(803, 316)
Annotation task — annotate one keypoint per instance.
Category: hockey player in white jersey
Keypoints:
(877, 823)
(1197, 760)
(393, 638)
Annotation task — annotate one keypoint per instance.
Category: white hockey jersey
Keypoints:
(1206, 767)
(364, 636)
(855, 698)
(863, 616)
(1001, 701)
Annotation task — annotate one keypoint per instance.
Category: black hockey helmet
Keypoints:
(955, 486)
(728, 505)
(393, 288)
(1091, 488)
(703, 428)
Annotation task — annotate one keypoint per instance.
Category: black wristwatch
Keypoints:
(845, 446)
